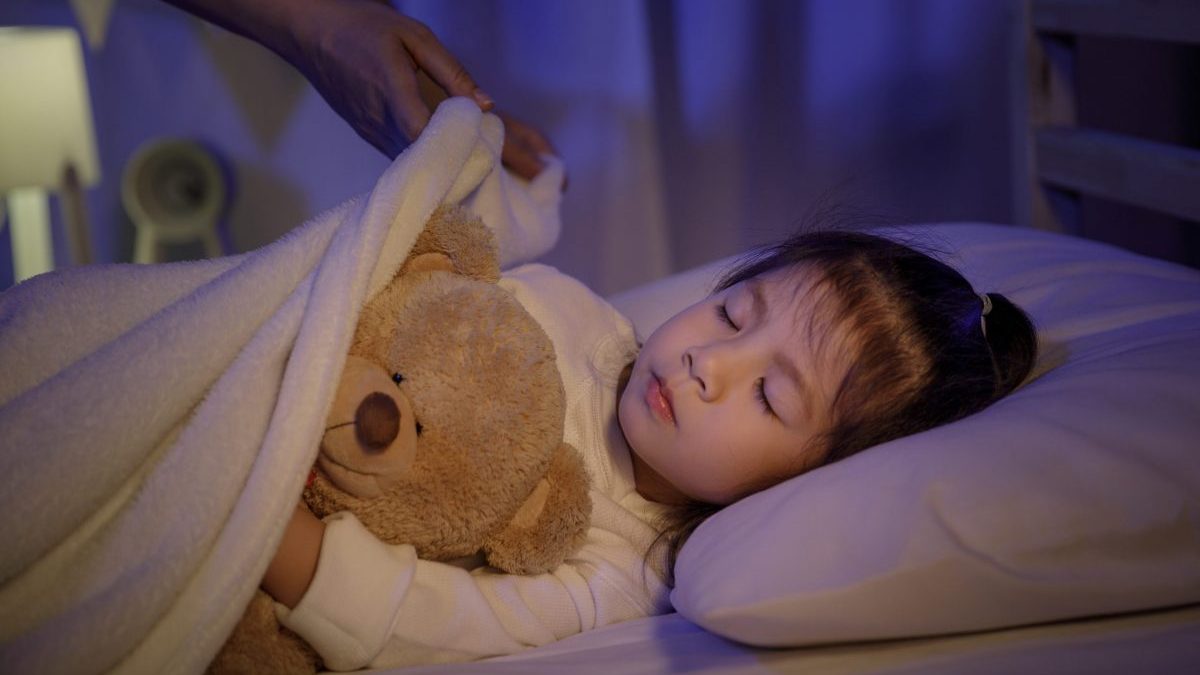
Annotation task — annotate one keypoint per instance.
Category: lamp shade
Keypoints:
(45, 112)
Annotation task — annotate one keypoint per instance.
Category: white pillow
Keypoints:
(1078, 494)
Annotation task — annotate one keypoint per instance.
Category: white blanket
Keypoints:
(157, 422)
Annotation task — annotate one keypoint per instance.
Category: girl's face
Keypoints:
(725, 396)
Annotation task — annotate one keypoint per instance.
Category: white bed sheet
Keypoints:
(1152, 642)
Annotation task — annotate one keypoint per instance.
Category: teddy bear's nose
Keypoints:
(376, 422)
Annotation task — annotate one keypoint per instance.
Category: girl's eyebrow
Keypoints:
(759, 310)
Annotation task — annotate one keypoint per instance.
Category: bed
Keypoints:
(1056, 531)
(1059, 530)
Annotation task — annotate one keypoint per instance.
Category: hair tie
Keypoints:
(987, 307)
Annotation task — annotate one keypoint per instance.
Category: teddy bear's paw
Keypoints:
(259, 645)
(551, 524)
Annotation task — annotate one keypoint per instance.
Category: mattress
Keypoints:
(1154, 642)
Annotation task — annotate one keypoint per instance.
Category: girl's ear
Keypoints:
(550, 524)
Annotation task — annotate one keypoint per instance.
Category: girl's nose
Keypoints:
(705, 365)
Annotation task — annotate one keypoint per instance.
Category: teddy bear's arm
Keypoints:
(259, 645)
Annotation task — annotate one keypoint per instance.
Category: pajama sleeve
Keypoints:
(375, 605)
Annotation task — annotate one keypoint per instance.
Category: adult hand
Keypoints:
(383, 72)
(379, 69)
(523, 144)
(364, 58)
(523, 148)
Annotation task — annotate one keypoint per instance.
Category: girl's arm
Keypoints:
(371, 604)
(295, 562)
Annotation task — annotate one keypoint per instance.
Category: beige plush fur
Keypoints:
(480, 398)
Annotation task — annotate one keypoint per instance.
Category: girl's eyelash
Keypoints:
(760, 387)
(760, 392)
(723, 315)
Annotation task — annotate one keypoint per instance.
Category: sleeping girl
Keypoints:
(811, 351)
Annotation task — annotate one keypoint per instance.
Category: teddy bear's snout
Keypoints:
(376, 423)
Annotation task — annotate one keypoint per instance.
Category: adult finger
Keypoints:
(526, 135)
(442, 66)
(521, 160)
(409, 111)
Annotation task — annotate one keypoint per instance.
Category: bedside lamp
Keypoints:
(46, 142)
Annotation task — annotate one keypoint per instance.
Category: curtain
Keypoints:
(693, 129)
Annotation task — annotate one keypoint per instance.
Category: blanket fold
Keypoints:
(157, 422)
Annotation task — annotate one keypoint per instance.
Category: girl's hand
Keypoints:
(295, 562)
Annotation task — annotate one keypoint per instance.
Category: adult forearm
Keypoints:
(272, 23)
(369, 62)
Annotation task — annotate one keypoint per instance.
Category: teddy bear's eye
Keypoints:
(418, 428)
(397, 378)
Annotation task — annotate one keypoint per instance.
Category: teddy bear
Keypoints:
(445, 432)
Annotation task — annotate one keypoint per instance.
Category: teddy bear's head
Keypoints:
(446, 432)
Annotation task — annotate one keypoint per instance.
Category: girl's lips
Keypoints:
(659, 400)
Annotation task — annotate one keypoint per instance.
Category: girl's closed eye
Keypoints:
(723, 315)
(760, 392)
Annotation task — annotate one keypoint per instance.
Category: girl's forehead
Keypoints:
(801, 289)
(802, 295)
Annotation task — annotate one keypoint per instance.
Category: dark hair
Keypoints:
(921, 358)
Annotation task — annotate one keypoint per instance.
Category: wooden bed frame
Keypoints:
(1055, 159)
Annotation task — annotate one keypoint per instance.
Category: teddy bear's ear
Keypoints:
(429, 262)
(460, 237)
(551, 523)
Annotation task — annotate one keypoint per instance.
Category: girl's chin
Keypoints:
(652, 486)
(624, 425)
